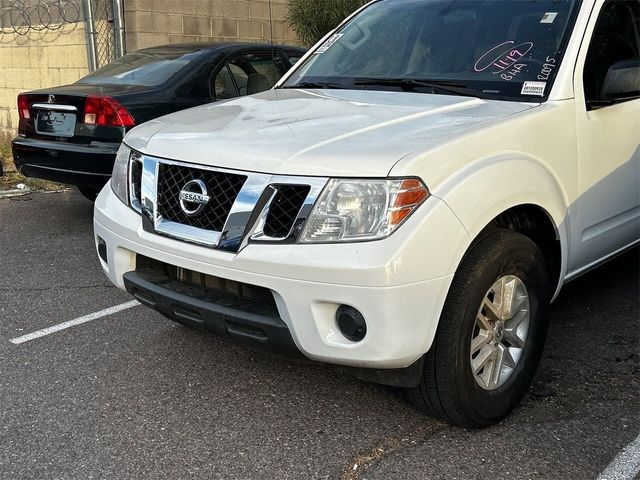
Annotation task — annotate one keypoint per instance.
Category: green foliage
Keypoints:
(5, 150)
(313, 19)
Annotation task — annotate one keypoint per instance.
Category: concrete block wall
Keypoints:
(156, 22)
(39, 60)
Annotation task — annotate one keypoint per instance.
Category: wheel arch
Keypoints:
(535, 223)
(518, 193)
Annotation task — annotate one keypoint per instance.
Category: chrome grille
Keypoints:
(284, 210)
(222, 187)
(135, 182)
(238, 207)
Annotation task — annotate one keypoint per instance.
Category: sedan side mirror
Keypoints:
(622, 83)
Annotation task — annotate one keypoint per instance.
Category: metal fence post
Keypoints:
(90, 34)
(118, 24)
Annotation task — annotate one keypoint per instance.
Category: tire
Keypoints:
(449, 389)
(89, 193)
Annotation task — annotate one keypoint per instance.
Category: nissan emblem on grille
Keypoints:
(194, 197)
(219, 208)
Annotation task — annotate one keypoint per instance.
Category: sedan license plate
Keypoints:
(58, 124)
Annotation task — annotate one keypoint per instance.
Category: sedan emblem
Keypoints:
(52, 99)
(194, 198)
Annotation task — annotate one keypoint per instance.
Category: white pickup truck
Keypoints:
(405, 203)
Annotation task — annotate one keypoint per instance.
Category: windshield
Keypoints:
(142, 68)
(501, 49)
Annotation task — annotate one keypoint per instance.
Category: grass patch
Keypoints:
(12, 178)
(5, 152)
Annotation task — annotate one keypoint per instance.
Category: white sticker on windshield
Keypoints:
(329, 43)
(534, 88)
(549, 17)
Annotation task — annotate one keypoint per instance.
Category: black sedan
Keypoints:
(71, 134)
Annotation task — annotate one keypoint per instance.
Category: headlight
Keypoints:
(361, 210)
(120, 175)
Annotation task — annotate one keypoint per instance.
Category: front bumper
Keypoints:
(72, 164)
(214, 312)
(398, 284)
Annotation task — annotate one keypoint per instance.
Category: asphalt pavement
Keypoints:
(135, 396)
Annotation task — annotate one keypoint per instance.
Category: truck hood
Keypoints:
(317, 133)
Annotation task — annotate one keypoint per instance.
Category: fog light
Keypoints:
(351, 323)
(102, 250)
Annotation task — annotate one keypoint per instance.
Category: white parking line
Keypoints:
(626, 465)
(72, 323)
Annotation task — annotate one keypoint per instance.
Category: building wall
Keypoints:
(156, 22)
(39, 59)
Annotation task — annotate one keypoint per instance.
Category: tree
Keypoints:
(313, 19)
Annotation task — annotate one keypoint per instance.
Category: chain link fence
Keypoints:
(102, 20)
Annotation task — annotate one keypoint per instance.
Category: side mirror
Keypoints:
(622, 81)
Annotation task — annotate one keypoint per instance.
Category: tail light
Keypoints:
(105, 111)
(24, 107)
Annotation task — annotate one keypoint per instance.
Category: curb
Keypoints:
(15, 193)
(28, 191)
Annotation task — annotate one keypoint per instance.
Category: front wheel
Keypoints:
(491, 333)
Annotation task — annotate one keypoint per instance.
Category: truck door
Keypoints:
(608, 128)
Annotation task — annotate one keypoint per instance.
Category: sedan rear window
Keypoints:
(141, 68)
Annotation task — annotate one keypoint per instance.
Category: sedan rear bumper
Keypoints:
(83, 165)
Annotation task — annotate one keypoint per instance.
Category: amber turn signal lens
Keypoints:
(411, 193)
(397, 216)
(411, 197)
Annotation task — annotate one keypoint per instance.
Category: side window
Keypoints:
(223, 87)
(615, 42)
(246, 75)
(293, 57)
(265, 66)
(239, 75)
